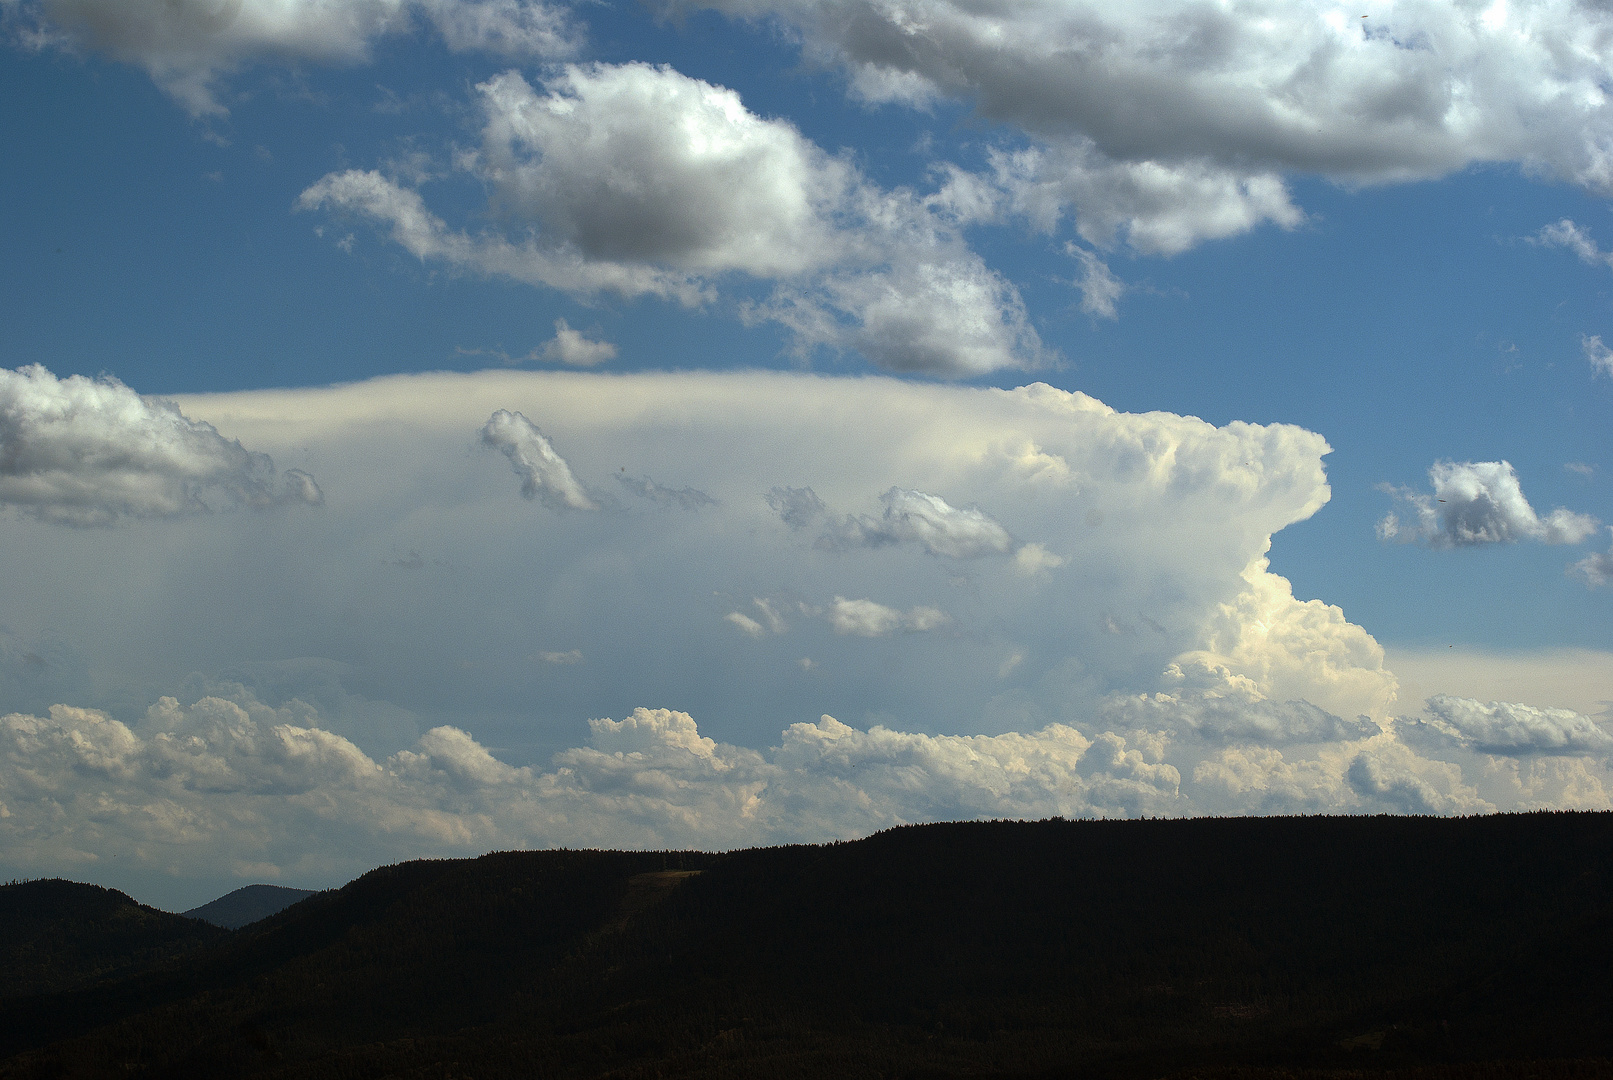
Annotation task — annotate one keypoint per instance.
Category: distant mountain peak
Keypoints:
(247, 905)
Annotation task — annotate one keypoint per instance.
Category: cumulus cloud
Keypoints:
(1230, 710)
(189, 46)
(1392, 778)
(1595, 569)
(81, 451)
(230, 782)
(1479, 502)
(233, 782)
(1500, 727)
(570, 656)
(1266, 644)
(525, 29)
(544, 474)
(569, 347)
(639, 180)
(1175, 122)
(865, 618)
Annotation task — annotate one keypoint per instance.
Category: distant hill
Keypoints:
(59, 935)
(247, 905)
(1239, 949)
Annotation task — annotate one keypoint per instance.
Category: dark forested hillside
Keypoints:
(1255, 948)
(59, 935)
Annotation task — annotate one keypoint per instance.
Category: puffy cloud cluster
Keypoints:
(1234, 712)
(268, 792)
(1479, 502)
(81, 451)
(544, 474)
(638, 180)
(265, 792)
(188, 46)
(1499, 727)
(1169, 123)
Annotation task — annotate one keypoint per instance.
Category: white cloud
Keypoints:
(544, 474)
(1032, 559)
(189, 46)
(570, 656)
(1566, 234)
(1595, 569)
(746, 624)
(1580, 468)
(1549, 783)
(1479, 502)
(1158, 670)
(1266, 644)
(1564, 678)
(525, 29)
(226, 783)
(1174, 122)
(911, 517)
(569, 347)
(80, 451)
(1599, 355)
(865, 618)
(1100, 289)
(1500, 727)
(1390, 777)
(1233, 712)
(928, 520)
(1183, 508)
(641, 181)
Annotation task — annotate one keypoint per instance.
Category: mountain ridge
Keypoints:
(1286, 946)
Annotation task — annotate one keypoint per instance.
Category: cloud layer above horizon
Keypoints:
(789, 548)
(679, 588)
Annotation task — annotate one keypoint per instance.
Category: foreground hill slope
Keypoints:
(59, 935)
(1383, 946)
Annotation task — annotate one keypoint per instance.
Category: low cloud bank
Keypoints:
(231, 781)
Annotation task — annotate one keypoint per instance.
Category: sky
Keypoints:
(437, 426)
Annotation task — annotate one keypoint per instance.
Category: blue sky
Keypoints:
(1354, 227)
